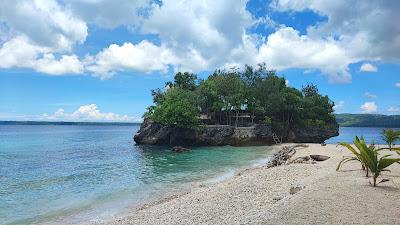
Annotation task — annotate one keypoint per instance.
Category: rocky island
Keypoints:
(250, 107)
(259, 134)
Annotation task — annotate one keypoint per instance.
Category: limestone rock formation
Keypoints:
(214, 135)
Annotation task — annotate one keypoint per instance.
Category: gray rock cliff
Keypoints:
(213, 135)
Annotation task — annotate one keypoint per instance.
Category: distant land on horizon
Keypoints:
(65, 123)
(368, 120)
(344, 120)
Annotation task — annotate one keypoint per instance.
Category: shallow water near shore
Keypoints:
(73, 173)
(57, 174)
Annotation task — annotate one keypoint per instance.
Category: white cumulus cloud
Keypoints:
(286, 48)
(67, 64)
(89, 112)
(202, 34)
(34, 30)
(110, 13)
(142, 57)
(393, 109)
(369, 107)
(45, 22)
(197, 36)
(367, 67)
(366, 29)
(338, 106)
(397, 84)
(19, 52)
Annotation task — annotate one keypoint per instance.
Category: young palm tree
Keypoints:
(377, 164)
(390, 136)
(357, 155)
(369, 158)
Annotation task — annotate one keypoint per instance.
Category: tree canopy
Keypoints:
(233, 97)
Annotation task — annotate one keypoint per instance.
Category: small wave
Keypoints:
(232, 171)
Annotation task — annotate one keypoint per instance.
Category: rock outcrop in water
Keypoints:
(213, 135)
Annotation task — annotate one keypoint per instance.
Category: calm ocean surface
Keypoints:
(370, 134)
(67, 174)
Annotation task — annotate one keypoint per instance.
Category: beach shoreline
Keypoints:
(300, 193)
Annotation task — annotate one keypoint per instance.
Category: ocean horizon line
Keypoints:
(39, 122)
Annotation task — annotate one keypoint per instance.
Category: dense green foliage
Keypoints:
(178, 108)
(369, 158)
(368, 120)
(240, 98)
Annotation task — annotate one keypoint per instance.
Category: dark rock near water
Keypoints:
(180, 149)
(313, 135)
(214, 135)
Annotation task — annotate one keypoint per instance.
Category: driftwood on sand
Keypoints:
(284, 154)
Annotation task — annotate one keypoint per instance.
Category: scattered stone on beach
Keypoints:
(294, 190)
(311, 159)
(319, 157)
(180, 149)
(283, 155)
(277, 198)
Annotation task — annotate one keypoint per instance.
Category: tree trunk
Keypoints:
(227, 117)
(374, 181)
(237, 117)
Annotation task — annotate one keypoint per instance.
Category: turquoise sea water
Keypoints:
(69, 174)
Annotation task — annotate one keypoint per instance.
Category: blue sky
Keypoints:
(98, 60)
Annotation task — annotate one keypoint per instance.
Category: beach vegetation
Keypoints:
(369, 158)
(390, 136)
(356, 154)
(178, 108)
(240, 98)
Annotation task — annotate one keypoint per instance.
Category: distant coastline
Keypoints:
(368, 120)
(65, 123)
(343, 119)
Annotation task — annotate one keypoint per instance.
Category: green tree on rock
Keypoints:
(254, 95)
(178, 109)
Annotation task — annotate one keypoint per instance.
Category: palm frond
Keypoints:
(345, 160)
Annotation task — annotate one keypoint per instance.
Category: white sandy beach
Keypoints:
(261, 196)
